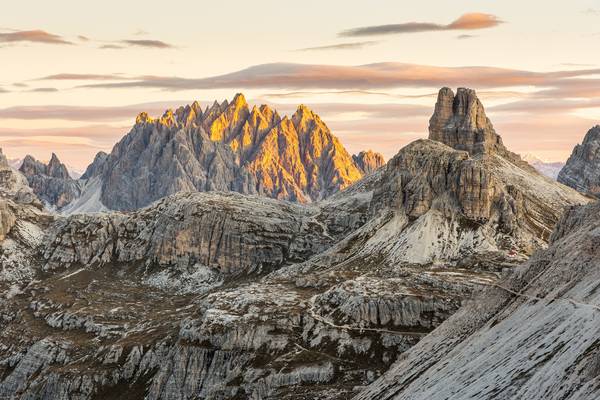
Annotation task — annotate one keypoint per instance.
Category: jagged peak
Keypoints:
(239, 100)
(143, 118)
(168, 118)
(57, 169)
(592, 135)
(459, 121)
(3, 159)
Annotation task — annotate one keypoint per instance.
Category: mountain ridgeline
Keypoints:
(225, 147)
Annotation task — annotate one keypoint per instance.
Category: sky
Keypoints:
(73, 75)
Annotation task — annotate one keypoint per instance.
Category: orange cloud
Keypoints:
(33, 36)
(469, 21)
(473, 21)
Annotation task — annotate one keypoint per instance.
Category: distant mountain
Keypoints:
(582, 170)
(226, 147)
(549, 169)
(51, 182)
(74, 172)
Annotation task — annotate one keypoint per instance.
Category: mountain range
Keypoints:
(238, 293)
(226, 147)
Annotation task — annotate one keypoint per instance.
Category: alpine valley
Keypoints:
(232, 253)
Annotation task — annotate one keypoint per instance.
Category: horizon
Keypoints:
(372, 78)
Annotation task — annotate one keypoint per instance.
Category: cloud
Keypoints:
(86, 113)
(145, 43)
(2, 90)
(592, 11)
(80, 77)
(362, 77)
(44, 90)
(157, 44)
(33, 36)
(111, 46)
(83, 38)
(470, 21)
(466, 36)
(20, 85)
(342, 46)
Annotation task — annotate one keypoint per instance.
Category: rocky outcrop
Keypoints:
(14, 186)
(487, 351)
(95, 168)
(50, 182)
(582, 170)
(460, 122)
(227, 147)
(368, 161)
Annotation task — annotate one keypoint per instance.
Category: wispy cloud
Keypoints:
(470, 21)
(33, 36)
(145, 43)
(44, 90)
(85, 113)
(462, 37)
(157, 44)
(342, 46)
(592, 11)
(363, 77)
(81, 77)
(111, 47)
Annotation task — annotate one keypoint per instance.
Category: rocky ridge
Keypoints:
(582, 170)
(228, 146)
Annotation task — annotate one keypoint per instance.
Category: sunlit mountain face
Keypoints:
(371, 78)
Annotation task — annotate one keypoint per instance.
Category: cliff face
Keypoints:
(227, 147)
(582, 170)
(368, 161)
(533, 335)
(51, 182)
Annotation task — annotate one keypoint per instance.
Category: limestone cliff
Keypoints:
(582, 170)
(227, 147)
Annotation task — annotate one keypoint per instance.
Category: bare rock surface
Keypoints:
(582, 170)
(227, 147)
(368, 161)
(51, 182)
(532, 336)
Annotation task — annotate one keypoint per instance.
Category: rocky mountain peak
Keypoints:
(582, 170)
(143, 118)
(369, 161)
(229, 147)
(3, 159)
(459, 121)
(56, 169)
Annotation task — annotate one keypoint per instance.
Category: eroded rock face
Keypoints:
(460, 122)
(227, 147)
(51, 182)
(582, 170)
(487, 351)
(368, 161)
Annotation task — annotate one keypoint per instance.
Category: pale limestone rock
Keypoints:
(582, 170)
